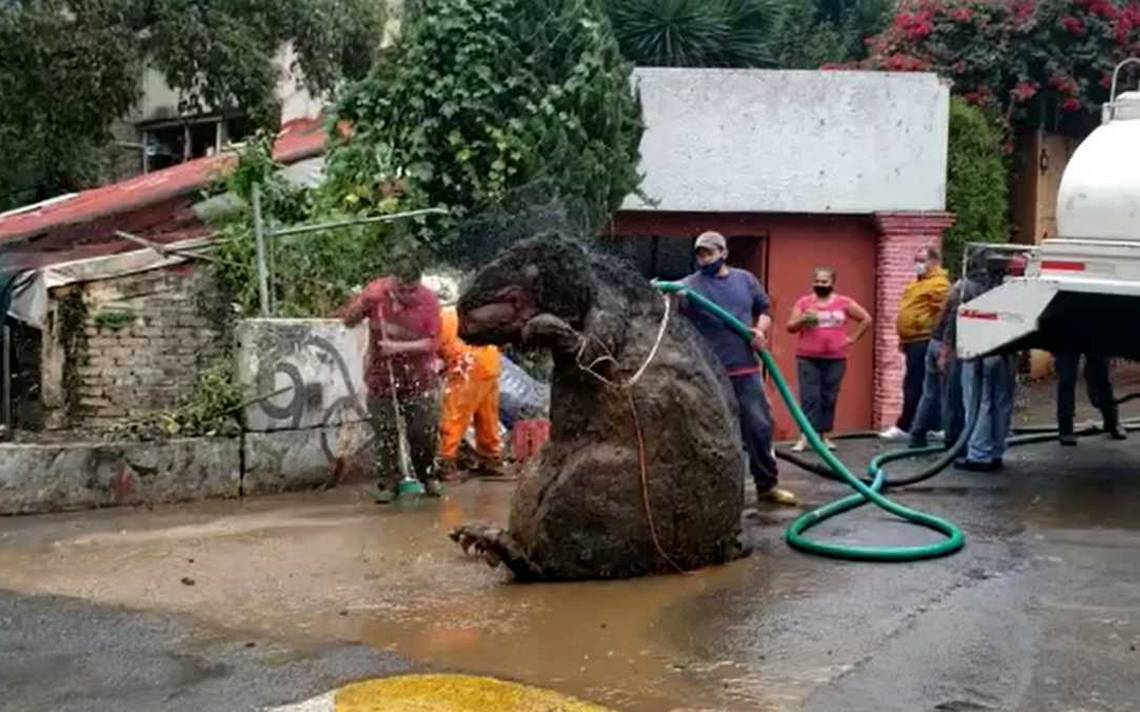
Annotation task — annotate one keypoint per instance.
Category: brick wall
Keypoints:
(144, 339)
(901, 235)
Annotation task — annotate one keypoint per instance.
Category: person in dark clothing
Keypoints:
(1067, 364)
(941, 401)
(739, 292)
(992, 378)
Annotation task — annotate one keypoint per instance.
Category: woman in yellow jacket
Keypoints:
(921, 305)
(470, 393)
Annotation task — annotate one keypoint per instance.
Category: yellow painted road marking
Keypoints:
(452, 693)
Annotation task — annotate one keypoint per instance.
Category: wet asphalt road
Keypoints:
(63, 655)
(1041, 611)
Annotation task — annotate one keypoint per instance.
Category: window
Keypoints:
(169, 143)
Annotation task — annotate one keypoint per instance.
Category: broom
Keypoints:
(409, 486)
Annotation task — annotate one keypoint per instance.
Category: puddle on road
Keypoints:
(315, 567)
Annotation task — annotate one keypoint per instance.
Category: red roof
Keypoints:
(297, 140)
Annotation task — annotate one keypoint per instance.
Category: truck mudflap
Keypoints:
(1004, 315)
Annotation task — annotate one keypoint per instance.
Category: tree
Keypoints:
(816, 33)
(483, 101)
(70, 68)
(1028, 62)
(793, 34)
(976, 182)
(696, 33)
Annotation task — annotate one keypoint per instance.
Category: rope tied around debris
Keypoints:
(627, 388)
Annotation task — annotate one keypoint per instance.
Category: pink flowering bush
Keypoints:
(1014, 58)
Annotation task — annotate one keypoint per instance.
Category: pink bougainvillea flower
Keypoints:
(961, 14)
(1073, 25)
(1024, 91)
(1072, 105)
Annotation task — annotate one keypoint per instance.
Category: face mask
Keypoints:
(920, 268)
(821, 291)
(712, 268)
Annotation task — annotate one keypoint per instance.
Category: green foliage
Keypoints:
(792, 34)
(696, 33)
(67, 69)
(484, 98)
(212, 409)
(112, 319)
(976, 187)
(805, 41)
(313, 274)
(1031, 63)
(70, 68)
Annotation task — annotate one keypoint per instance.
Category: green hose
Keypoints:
(864, 493)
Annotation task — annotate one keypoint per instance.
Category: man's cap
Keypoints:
(711, 240)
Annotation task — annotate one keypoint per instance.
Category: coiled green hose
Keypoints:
(864, 493)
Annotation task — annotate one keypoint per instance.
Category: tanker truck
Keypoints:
(1080, 289)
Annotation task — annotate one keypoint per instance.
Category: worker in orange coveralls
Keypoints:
(470, 392)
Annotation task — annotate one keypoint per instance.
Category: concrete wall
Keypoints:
(126, 346)
(319, 361)
(46, 478)
(314, 433)
(792, 141)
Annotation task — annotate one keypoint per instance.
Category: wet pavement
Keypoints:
(1041, 611)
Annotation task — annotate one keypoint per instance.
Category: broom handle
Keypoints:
(401, 427)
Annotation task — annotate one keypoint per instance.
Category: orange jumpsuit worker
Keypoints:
(470, 391)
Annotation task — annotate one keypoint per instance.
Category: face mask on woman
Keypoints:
(821, 291)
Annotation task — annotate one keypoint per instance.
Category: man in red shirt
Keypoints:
(404, 326)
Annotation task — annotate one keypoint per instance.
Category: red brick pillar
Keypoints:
(900, 237)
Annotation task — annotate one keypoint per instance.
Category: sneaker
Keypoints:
(977, 466)
(433, 488)
(384, 495)
(894, 433)
(1117, 432)
(1067, 439)
(800, 445)
(937, 435)
(780, 496)
(829, 443)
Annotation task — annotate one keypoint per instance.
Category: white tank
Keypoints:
(1099, 198)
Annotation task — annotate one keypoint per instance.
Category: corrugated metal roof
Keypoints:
(299, 139)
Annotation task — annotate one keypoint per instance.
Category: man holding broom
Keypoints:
(400, 373)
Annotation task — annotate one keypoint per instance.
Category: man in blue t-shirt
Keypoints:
(740, 293)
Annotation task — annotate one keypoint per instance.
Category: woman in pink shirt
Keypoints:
(820, 319)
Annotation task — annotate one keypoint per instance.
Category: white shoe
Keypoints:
(894, 433)
(936, 435)
(800, 445)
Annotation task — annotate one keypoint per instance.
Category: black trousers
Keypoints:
(1067, 364)
(915, 354)
(756, 429)
(820, 380)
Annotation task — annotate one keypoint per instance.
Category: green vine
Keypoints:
(72, 315)
(213, 409)
(482, 99)
(112, 319)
